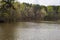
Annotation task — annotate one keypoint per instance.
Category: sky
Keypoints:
(42, 2)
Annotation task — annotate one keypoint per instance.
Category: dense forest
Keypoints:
(12, 11)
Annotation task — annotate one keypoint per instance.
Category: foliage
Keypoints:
(15, 11)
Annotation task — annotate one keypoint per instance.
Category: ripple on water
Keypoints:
(31, 31)
(38, 31)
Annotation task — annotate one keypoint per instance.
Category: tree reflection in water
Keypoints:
(7, 31)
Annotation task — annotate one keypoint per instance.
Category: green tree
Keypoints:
(58, 12)
(50, 13)
(36, 9)
(5, 9)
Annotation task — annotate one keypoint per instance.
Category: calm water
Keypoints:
(29, 31)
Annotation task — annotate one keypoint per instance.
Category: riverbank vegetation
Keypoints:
(12, 11)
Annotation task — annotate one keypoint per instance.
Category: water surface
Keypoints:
(29, 31)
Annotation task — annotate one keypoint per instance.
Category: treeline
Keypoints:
(15, 11)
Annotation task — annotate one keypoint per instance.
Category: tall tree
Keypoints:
(8, 3)
(7, 9)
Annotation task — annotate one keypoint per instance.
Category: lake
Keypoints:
(29, 31)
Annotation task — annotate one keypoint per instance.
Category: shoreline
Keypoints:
(35, 21)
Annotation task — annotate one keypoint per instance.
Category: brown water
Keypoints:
(29, 31)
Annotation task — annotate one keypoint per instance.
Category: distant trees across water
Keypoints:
(11, 11)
